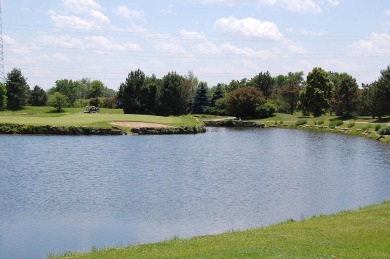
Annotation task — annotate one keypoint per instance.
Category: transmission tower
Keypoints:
(2, 76)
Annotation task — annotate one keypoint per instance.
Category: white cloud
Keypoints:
(81, 6)
(127, 13)
(249, 27)
(99, 18)
(64, 21)
(387, 12)
(62, 41)
(333, 2)
(15, 46)
(247, 52)
(102, 43)
(378, 43)
(301, 6)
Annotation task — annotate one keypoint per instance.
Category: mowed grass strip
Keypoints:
(364, 233)
(76, 117)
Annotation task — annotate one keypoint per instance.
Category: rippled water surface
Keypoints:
(72, 193)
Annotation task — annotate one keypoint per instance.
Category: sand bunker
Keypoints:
(139, 124)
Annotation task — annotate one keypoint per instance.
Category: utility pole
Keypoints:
(2, 75)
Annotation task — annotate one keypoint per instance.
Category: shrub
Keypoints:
(320, 122)
(384, 130)
(351, 124)
(300, 122)
(378, 127)
(335, 123)
(367, 127)
(266, 110)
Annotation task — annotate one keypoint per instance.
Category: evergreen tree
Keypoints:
(263, 82)
(201, 98)
(17, 89)
(131, 92)
(173, 95)
(38, 96)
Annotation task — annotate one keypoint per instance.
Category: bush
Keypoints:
(266, 110)
(300, 122)
(378, 127)
(351, 124)
(335, 123)
(320, 122)
(367, 127)
(384, 130)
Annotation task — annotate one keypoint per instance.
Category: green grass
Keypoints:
(357, 126)
(364, 233)
(75, 117)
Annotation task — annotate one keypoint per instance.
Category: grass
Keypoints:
(75, 117)
(357, 126)
(363, 233)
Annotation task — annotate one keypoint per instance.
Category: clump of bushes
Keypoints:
(335, 123)
(367, 127)
(384, 130)
(300, 122)
(378, 127)
(320, 122)
(351, 124)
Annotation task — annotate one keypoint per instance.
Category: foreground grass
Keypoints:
(364, 233)
(75, 117)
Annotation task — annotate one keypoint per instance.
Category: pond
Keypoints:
(61, 193)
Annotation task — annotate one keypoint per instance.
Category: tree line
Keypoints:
(319, 93)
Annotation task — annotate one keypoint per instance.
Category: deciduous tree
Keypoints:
(3, 96)
(345, 94)
(315, 97)
(58, 101)
(243, 102)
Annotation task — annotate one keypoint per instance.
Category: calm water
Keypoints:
(72, 193)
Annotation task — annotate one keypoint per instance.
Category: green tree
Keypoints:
(290, 91)
(58, 101)
(345, 94)
(315, 97)
(69, 88)
(173, 95)
(381, 94)
(243, 102)
(95, 89)
(38, 96)
(3, 96)
(263, 82)
(218, 92)
(201, 99)
(131, 91)
(149, 94)
(17, 89)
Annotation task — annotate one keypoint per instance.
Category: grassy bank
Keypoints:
(75, 117)
(364, 233)
(359, 126)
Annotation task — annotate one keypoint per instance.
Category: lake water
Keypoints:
(62, 193)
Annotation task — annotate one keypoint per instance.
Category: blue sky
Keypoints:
(219, 40)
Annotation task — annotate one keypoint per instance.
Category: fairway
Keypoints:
(75, 117)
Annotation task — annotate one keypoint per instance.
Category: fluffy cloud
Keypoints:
(80, 14)
(127, 13)
(249, 27)
(378, 43)
(81, 6)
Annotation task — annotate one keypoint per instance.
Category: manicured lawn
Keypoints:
(364, 233)
(76, 117)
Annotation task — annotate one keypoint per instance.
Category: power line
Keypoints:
(2, 75)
